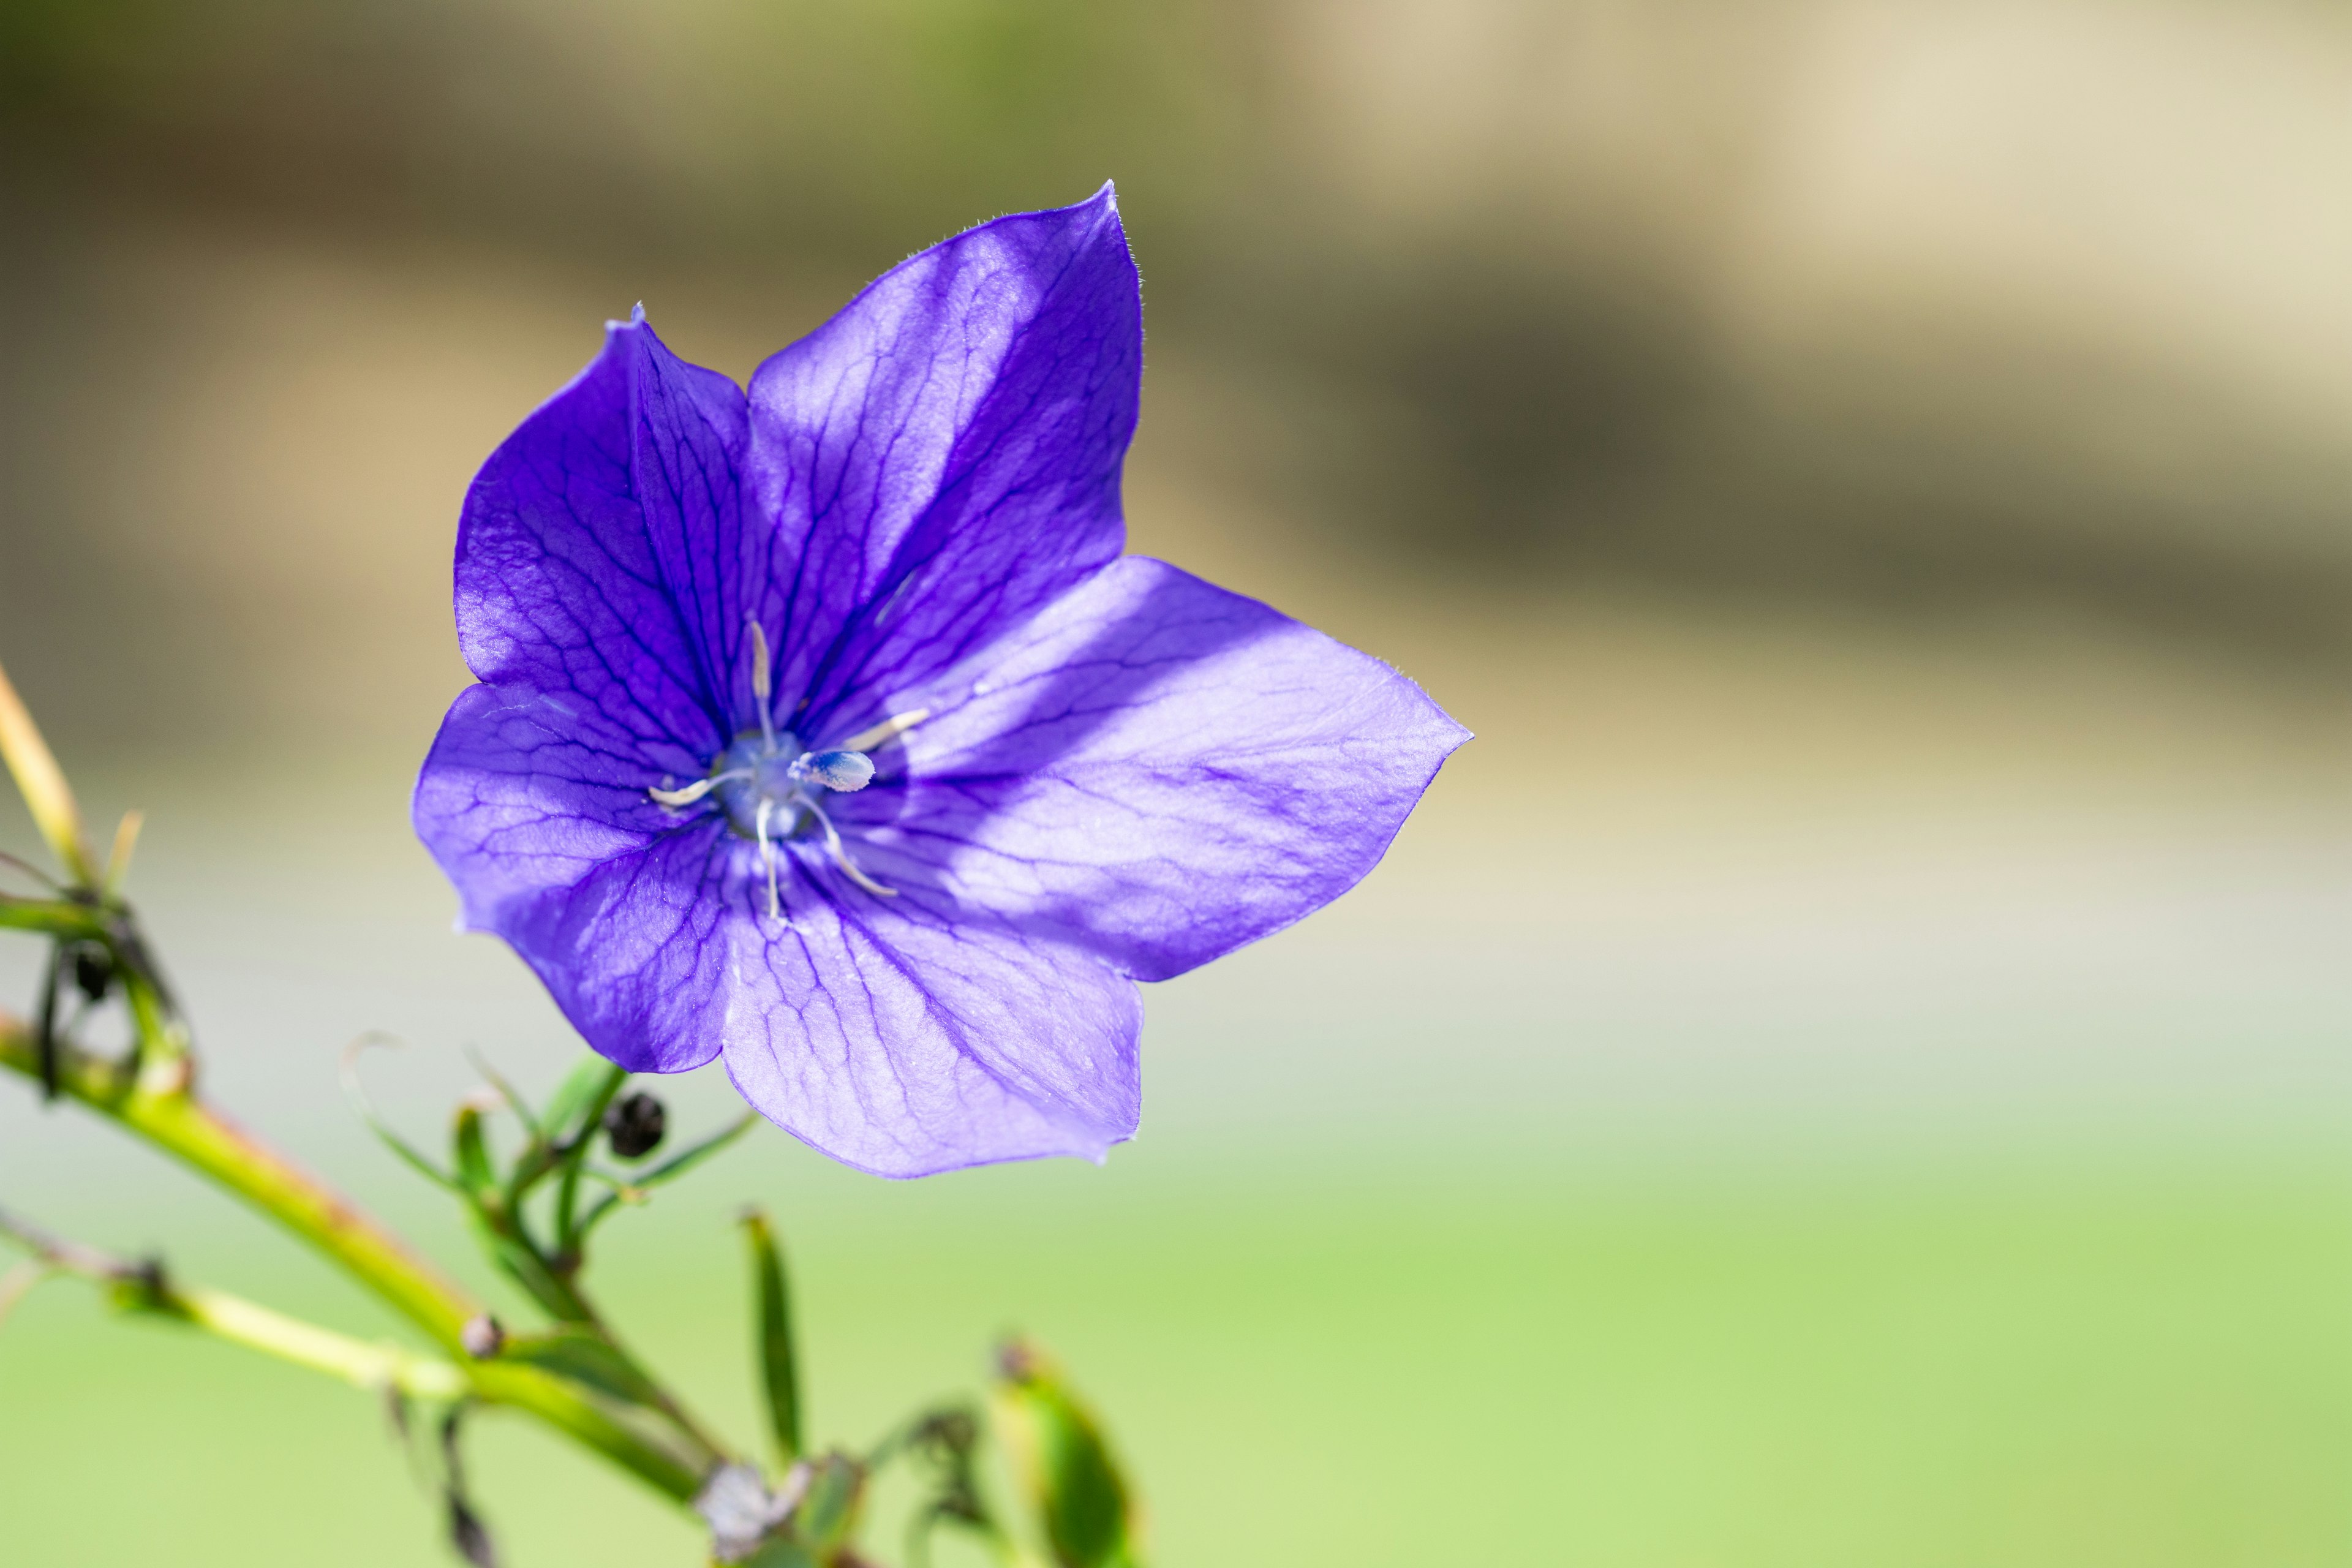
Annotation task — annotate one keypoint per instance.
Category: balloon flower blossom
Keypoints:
(827, 729)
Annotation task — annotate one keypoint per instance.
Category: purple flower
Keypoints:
(827, 729)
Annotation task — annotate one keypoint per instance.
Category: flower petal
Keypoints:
(569, 569)
(552, 844)
(907, 1039)
(1155, 770)
(944, 454)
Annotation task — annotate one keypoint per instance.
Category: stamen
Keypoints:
(847, 772)
(674, 798)
(841, 857)
(887, 730)
(762, 687)
(768, 855)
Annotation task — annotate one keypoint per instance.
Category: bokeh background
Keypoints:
(1853, 1066)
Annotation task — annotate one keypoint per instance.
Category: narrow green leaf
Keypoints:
(1064, 1464)
(519, 1262)
(779, 1366)
(507, 1091)
(686, 1159)
(357, 1095)
(470, 1149)
(583, 1092)
(578, 1352)
(827, 1511)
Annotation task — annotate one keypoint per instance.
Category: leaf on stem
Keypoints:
(45, 1021)
(512, 1095)
(357, 1094)
(577, 1352)
(631, 1190)
(43, 784)
(582, 1093)
(778, 1363)
(1064, 1464)
(118, 860)
(469, 1150)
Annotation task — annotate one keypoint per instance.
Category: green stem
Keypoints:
(567, 1192)
(363, 1365)
(158, 1107)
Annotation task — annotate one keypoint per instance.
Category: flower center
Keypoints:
(772, 790)
(771, 772)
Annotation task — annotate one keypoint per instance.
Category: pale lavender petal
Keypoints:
(944, 456)
(1154, 770)
(905, 1036)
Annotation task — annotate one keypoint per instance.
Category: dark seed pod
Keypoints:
(93, 971)
(634, 1125)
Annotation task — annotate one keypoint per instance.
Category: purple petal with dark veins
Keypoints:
(943, 455)
(907, 1037)
(1153, 770)
(1124, 772)
(553, 846)
(689, 432)
(560, 584)
(592, 600)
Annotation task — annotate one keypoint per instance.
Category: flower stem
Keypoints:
(567, 1190)
(167, 1115)
(371, 1367)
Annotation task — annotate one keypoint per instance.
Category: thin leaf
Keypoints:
(693, 1154)
(1064, 1464)
(357, 1094)
(469, 1148)
(630, 1191)
(521, 1263)
(827, 1512)
(778, 1363)
(43, 784)
(513, 1097)
(572, 1148)
(578, 1352)
(582, 1089)
(45, 1021)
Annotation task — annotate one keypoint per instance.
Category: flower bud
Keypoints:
(93, 971)
(634, 1125)
(482, 1337)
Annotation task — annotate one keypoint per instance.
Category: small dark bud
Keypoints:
(93, 971)
(482, 1336)
(634, 1125)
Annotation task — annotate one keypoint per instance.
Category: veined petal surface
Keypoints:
(944, 456)
(911, 1036)
(1114, 772)
(1154, 770)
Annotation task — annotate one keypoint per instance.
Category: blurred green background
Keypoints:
(1852, 1067)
